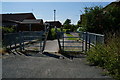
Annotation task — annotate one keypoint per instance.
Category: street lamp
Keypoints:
(54, 15)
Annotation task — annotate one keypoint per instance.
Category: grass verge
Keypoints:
(70, 35)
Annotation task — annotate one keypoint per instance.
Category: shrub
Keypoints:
(8, 29)
(101, 20)
(107, 56)
(52, 33)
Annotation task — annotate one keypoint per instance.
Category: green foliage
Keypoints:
(98, 20)
(67, 22)
(107, 56)
(67, 25)
(8, 29)
(54, 36)
(64, 30)
(52, 33)
(74, 28)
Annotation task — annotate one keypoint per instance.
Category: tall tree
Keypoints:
(67, 23)
(99, 20)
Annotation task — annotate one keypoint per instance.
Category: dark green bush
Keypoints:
(52, 33)
(107, 56)
(99, 20)
(9, 29)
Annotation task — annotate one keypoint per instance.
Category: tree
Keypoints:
(67, 22)
(97, 20)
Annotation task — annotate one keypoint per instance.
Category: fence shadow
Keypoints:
(71, 55)
(51, 55)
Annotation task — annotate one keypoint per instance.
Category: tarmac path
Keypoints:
(51, 46)
(48, 66)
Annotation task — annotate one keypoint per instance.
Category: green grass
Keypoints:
(69, 35)
(64, 30)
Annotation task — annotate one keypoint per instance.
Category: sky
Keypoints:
(44, 10)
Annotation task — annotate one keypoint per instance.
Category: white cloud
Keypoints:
(58, 0)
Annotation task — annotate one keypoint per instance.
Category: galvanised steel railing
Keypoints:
(20, 39)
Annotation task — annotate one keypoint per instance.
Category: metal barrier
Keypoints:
(12, 39)
(91, 39)
(70, 42)
(22, 39)
(80, 41)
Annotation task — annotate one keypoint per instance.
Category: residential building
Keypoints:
(54, 23)
(22, 22)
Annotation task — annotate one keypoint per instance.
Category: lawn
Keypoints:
(69, 35)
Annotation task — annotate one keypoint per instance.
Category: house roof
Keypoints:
(17, 17)
(32, 21)
(52, 22)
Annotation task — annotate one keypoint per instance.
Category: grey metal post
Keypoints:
(20, 43)
(86, 34)
(63, 41)
(95, 39)
(54, 15)
(58, 37)
(82, 36)
(89, 41)
(15, 46)
(45, 39)
(40, 44)
(29, 27)
(22, 40)
(102, 39)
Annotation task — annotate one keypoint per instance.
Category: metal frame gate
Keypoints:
(81, 40)
(70, 43)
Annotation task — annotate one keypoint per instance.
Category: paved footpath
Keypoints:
(20, 66)
(46, 66)
(51, 46)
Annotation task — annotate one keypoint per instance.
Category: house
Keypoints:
(54, 23)
(31, 25)
(111, 6)
(14, 19)
(22, 22)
